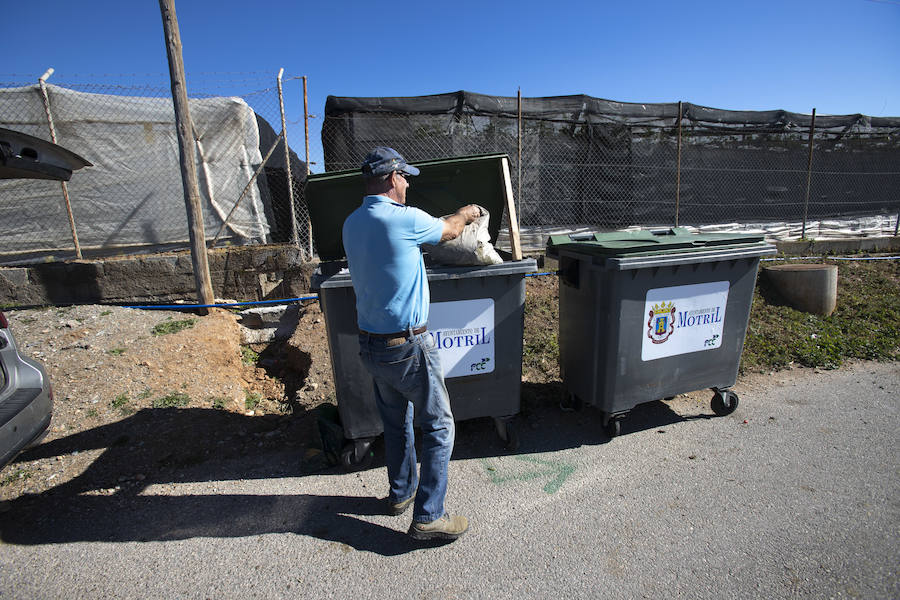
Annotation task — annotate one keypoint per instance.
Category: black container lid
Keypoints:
(443, 186)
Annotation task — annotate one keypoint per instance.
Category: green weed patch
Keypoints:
(168, 327)
(122, 403)
(249, 356)
(252, 400)
(15, 476)
(175, 400)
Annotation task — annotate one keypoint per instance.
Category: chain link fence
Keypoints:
(131, 200)
(585, 163)
(577, 163)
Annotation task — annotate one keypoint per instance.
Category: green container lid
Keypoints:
(442, 187)
(647, 241)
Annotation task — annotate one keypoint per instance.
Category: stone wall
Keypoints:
(245, 273)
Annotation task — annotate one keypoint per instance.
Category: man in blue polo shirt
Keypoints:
(382, 240)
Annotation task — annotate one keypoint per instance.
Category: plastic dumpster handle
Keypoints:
(687, 258)
(578, 237)
(668, 231)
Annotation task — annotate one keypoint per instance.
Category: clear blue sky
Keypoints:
(839, 56)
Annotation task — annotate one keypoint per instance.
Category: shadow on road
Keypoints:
(91, 518)
(546, 425)
(107, 501)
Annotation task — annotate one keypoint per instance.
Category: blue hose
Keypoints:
(835, 258)
(223, 305)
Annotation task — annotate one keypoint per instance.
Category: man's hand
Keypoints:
(455, 223)
(470, 212)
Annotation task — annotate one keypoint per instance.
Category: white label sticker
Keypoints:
(682, 319)
(464, 333)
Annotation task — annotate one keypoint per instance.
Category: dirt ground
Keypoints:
(168, 398)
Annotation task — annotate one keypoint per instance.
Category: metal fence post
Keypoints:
(287, 161)
(678, 168)
(519, 158)
(309, 233)
(812, 129)
(306, 122)
(65, 188)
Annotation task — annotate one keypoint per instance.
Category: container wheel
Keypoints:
(613, 427)
(512, 437)
(508, 432)
(724, 402)
(357, 455)
(571, 403)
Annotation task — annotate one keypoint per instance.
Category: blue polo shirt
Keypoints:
(382, 240)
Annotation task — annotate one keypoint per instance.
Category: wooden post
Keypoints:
(515, 243)
(184, 127)
(65, 188)
(812, 129)
(678, 168)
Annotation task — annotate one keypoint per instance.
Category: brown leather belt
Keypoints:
(394, 339)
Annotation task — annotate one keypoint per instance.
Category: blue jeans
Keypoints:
(409, 384)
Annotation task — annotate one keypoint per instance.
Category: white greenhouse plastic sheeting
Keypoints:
(132, 195)
(535, 238)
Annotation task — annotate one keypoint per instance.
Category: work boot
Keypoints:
(398, 508)
(448, 527)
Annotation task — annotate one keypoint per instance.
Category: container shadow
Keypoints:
(546, 424)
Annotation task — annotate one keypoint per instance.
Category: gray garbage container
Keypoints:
(476, 313)
(646, 315)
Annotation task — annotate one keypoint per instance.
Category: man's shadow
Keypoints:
(165, 518)
(110, 500)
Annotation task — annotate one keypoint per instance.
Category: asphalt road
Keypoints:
(796, 495)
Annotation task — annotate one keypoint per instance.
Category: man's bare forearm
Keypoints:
(455, 223)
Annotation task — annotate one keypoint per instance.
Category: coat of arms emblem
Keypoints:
(661, 323)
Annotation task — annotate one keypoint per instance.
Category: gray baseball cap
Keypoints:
(383, 160)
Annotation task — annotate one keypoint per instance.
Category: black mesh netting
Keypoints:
(588, 161)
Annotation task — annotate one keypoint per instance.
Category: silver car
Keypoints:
(26, 398)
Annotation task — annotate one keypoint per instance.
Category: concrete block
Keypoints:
(266, 323)
(811, 288)
(14, 277)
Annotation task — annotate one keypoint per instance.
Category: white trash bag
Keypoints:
(472, 247)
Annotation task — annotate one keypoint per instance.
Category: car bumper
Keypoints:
(25, 412)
